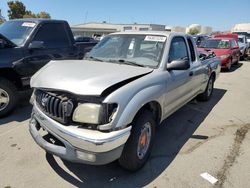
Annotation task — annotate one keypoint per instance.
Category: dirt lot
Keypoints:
(210, 137)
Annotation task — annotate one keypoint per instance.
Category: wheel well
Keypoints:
(155, 108)
(11, 75)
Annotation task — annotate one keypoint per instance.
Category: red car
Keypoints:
(226, 48)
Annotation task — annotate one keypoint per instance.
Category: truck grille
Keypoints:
(58, 107)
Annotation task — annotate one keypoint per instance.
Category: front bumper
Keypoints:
(79, 145)
(224, 62)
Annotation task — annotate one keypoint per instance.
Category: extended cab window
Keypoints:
(53, 35)
(191, 47)
(178, 49)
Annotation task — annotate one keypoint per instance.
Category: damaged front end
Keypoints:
(69, 109)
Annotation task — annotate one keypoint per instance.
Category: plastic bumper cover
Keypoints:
(78, 146)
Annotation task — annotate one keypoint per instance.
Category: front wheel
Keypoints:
(138, 147)
(237, 62)
(206, 95)
(8, 97)
(229, 65)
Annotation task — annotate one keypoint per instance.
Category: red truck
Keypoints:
(224, 46)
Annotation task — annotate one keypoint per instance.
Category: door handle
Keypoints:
(191, 73)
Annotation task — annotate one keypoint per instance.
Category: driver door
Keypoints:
(179, 82)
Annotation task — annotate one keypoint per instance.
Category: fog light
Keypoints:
(85, 156)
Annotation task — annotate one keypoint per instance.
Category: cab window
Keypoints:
(53, 35)
(191, 47)
(178, 49)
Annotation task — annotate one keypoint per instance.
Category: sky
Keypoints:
(222, 15)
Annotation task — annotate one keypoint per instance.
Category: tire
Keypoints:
(229, 65)
(237, 62)
(206, 95)
(8, 97)
(138, 146)
(243, 56)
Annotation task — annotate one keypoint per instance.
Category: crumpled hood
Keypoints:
(84, 77)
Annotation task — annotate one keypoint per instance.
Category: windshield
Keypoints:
(220, 44)
(240, 39)
(17, 31)
(137, 50)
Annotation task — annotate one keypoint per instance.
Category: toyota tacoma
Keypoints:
(107, 106)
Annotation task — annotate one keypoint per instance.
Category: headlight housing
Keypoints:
(91, 113)
(224, 56)
(32, 98)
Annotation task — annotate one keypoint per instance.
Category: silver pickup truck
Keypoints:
(106, 107)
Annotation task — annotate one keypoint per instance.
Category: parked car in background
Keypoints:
(107, 106)
(226, 48)
(247, 34)
(244, 46)
(80, 38)
(199, 39)
(26, 45)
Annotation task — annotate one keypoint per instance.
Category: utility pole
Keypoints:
(86, 16)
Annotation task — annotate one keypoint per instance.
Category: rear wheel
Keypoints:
(206, 95)
(138, 147)
(8, 97)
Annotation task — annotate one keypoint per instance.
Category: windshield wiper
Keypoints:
(94, 58)
(123, 61)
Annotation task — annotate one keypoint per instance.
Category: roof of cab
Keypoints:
(36, 20)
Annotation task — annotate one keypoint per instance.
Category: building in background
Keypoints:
(200, 28)
(206, 30)
(102, 29)
(175, 29)
(99, 29)
(242, 27)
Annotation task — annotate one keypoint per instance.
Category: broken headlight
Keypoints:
(91, 113)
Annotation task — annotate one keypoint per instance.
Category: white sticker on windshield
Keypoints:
(28, 24)
(155, 38)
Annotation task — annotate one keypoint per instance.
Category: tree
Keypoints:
(16, 9)
(29, 14)
(193, 31)
(43, 15)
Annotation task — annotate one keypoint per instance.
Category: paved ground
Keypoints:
(211, 137)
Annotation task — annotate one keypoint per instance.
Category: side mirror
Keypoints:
(36, 45)
(181, 64)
